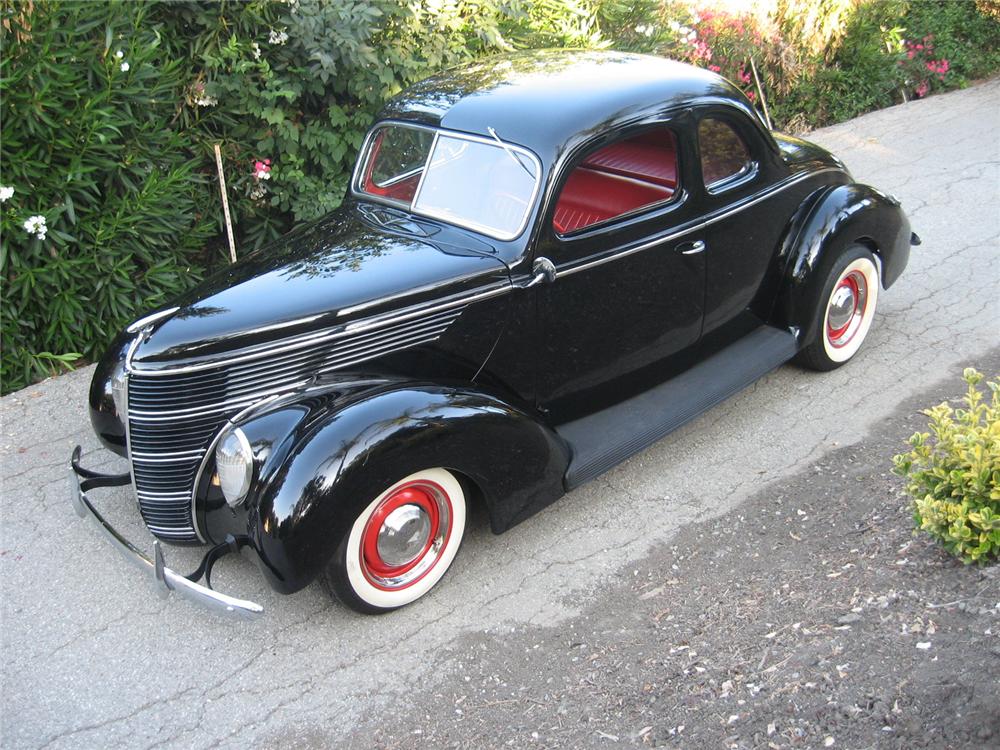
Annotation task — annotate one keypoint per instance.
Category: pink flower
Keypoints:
(920, 46)
(910, 54)
(752, 96)
(922, 89)
(714, 68)
(262, 170)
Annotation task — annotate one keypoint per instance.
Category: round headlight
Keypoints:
(234, 464)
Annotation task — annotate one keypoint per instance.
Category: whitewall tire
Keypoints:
(845, 310)
(401, 544)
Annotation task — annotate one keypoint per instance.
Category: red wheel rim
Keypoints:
(846, 309)
(424, 498)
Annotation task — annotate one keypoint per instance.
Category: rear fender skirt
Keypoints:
(340, 455)
(839, 217)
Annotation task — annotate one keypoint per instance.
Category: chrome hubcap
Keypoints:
(846, 309)
(403, 535)
(841, 307)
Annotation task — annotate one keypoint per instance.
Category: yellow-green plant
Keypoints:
(953, 474)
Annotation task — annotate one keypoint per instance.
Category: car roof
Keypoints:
(547, 100)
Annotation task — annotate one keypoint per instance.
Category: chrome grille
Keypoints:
(174, 415)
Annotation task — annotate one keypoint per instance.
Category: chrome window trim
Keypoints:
(482, 228)
(423, 173)
(722, 214)
(362, 164)
(747, 173)
(365, 156)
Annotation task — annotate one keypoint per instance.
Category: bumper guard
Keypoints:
(163, 578)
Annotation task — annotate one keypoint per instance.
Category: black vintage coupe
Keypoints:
(546, 262)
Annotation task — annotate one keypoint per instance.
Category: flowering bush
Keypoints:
(725, 43)
(954, 476)
(920, 70)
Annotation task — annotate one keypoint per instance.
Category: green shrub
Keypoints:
(954, 476)
(299, 83)
(87, 104)
(120, 163)
(115, 153)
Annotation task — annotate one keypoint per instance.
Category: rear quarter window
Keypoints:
(724, 154)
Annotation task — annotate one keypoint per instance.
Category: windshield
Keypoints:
(479, 183)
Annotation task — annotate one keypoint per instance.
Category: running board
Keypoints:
(604, 439)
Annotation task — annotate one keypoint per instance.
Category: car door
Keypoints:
(624, 237)
(746, 213)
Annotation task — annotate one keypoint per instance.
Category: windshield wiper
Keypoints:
(510, 153)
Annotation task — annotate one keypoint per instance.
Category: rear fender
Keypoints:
(341, 455)
(840, 216)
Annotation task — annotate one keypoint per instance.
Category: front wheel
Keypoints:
(401, 544)
(845, 310)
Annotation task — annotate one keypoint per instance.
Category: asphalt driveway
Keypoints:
(91, 658)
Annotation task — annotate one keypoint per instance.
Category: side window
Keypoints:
(619, 179)
(723, 152)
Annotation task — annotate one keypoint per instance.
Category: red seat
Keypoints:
(644, 162)
(618, 179)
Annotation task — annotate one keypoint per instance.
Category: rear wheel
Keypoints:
(845, 310)
(401, 544)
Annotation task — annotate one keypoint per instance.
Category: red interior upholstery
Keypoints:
(401, 191)
(617, 179)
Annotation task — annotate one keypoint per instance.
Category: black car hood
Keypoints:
(358, 261)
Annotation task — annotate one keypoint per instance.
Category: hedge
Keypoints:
(111, 111)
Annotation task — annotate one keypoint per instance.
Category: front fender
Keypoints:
(843, 215)
(342, 454)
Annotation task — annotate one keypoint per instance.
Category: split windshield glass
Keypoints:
(479, 183)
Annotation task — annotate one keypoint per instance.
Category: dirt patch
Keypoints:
(809, 617)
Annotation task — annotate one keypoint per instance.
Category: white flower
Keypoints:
(674, 26)
(257, 192)
(119, 54)
(206, 101)
(36, 225)
(125, 66)
(261, 174)
(255, 49)
(277, 37)
(5, 193)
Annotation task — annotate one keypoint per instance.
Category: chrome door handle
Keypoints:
(691, 248)
(544, 271)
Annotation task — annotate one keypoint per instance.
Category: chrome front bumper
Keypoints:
(163, 578)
